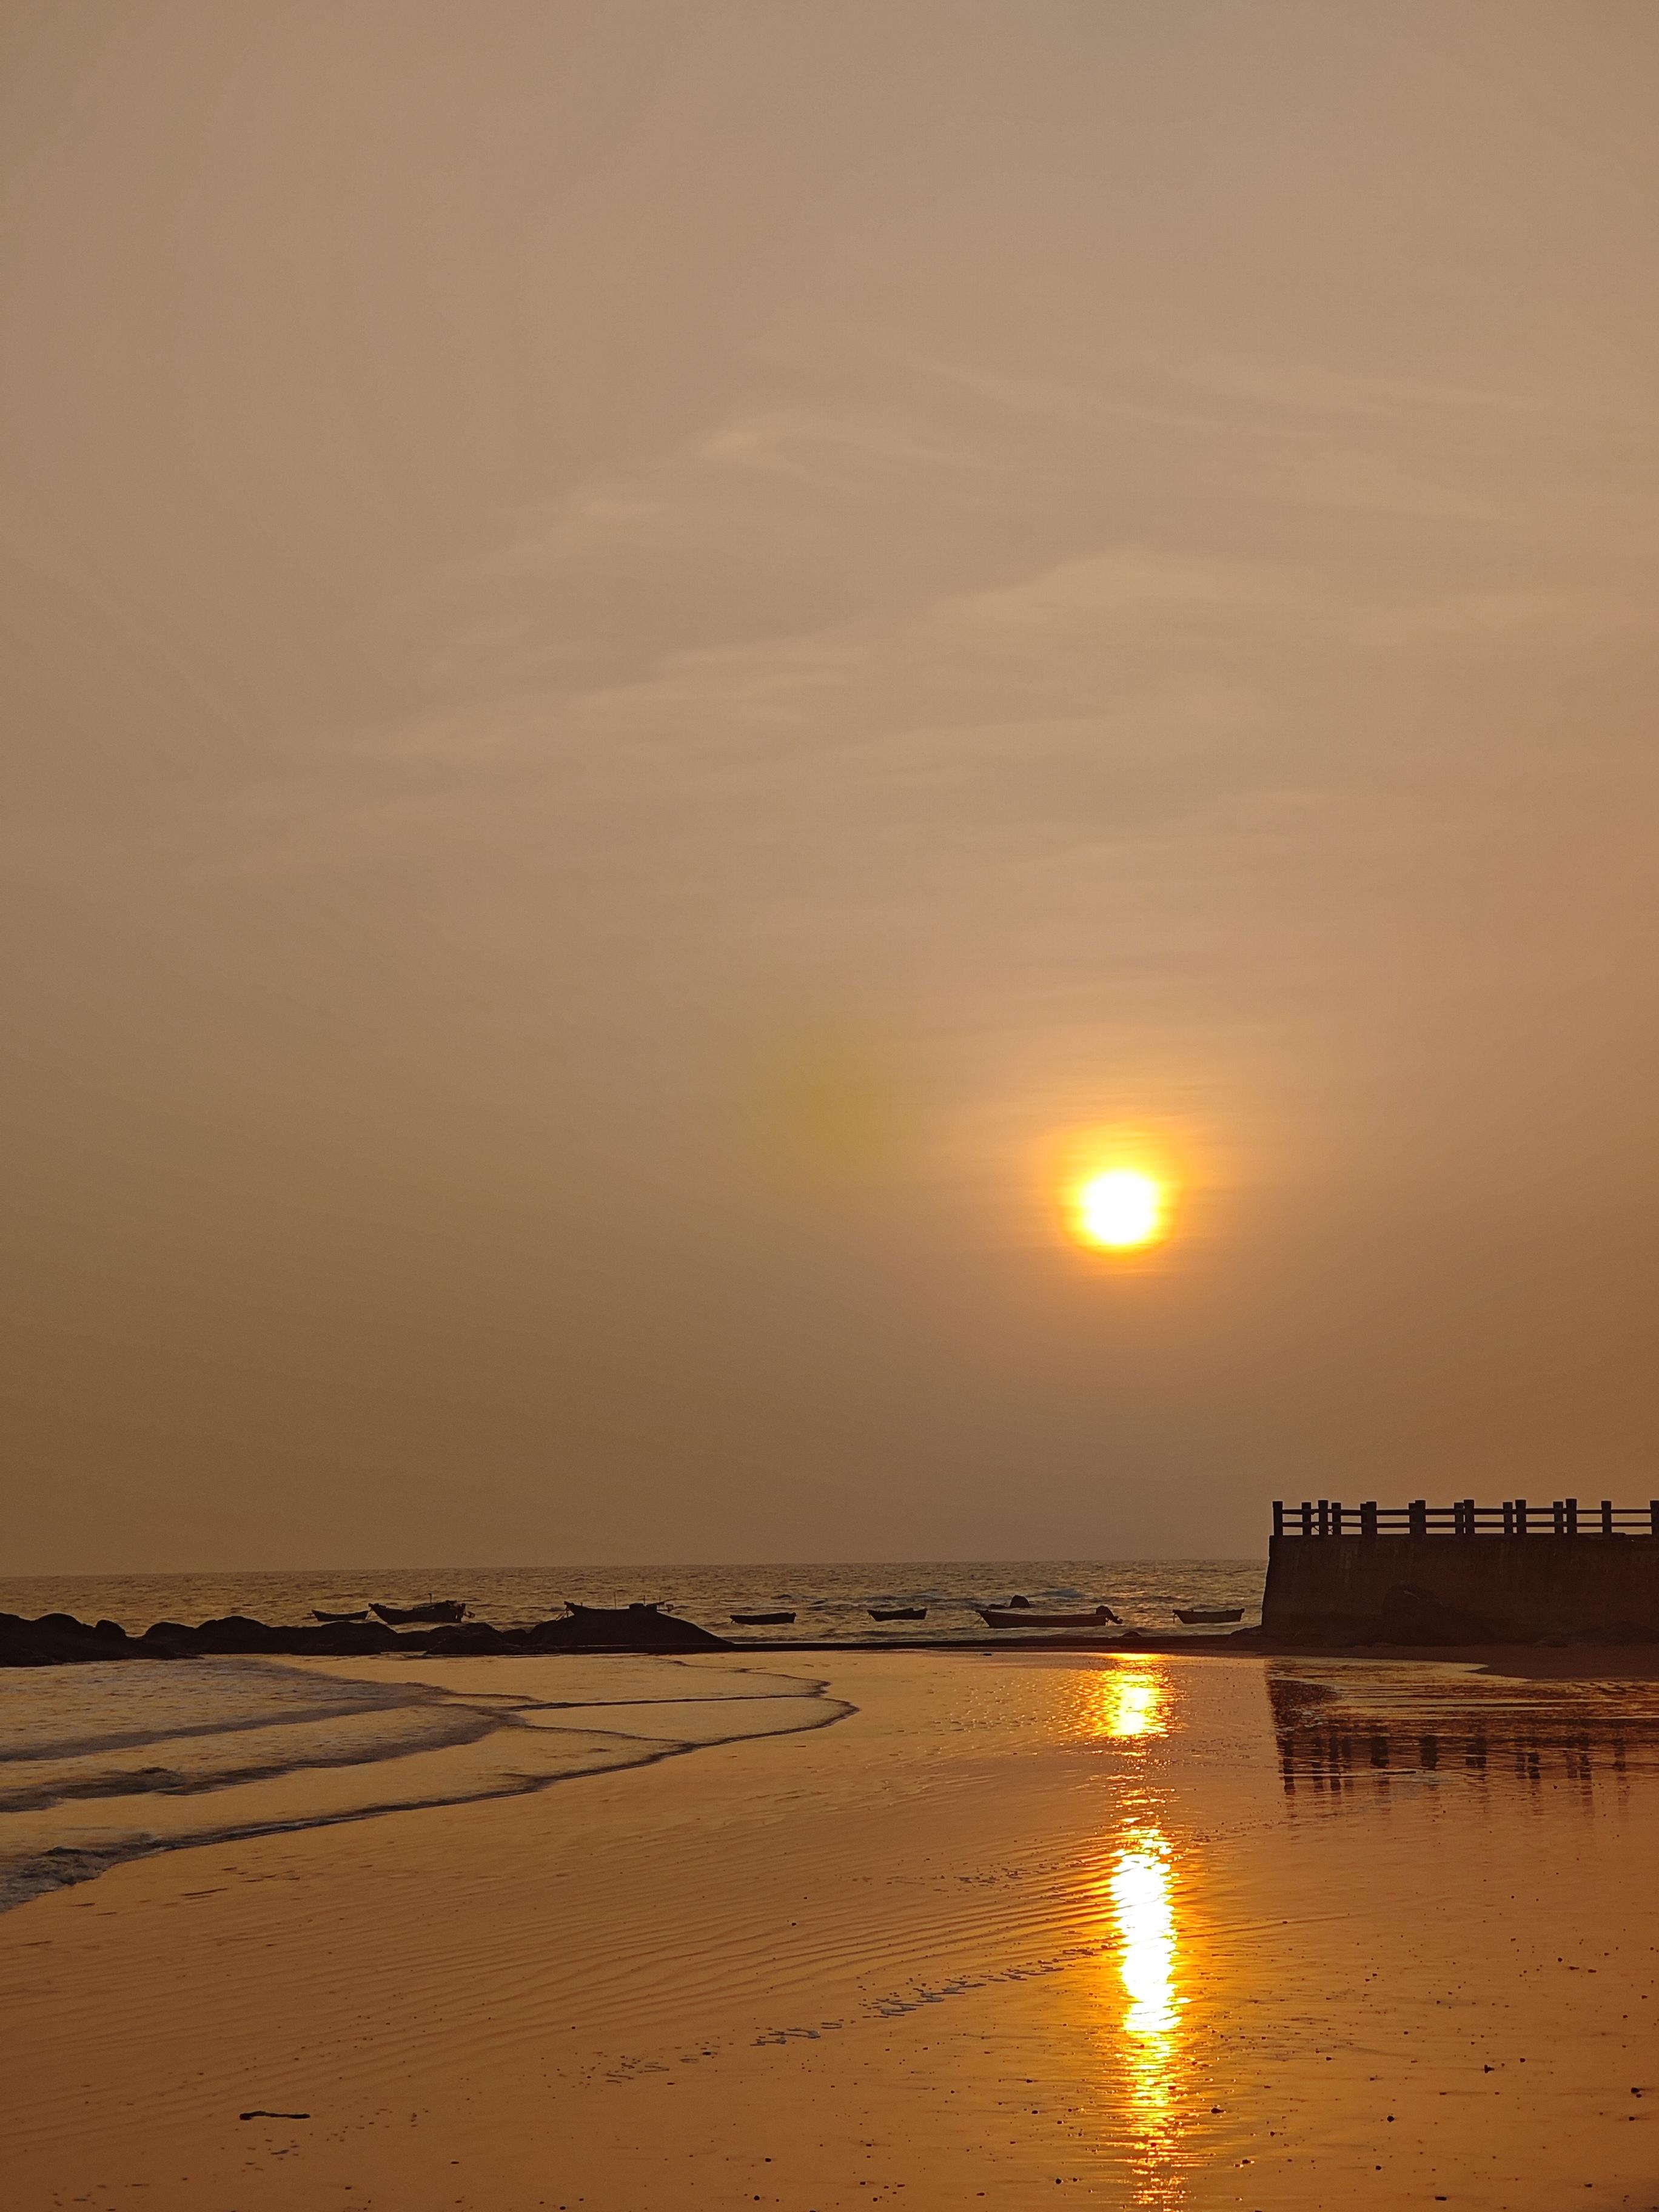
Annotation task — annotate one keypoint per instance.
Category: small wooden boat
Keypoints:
(616, 1611)
(1208, 1616)
(898, 1613)
(317, 1614)
(442, 1608)
(762, 1619)
(1017, 1614)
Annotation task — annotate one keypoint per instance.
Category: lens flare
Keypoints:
(1123, 1210)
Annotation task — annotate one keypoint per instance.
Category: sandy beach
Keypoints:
(1162, 1930)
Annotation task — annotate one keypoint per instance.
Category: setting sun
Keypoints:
(1121, 1210)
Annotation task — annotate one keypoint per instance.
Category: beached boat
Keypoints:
(443, 1608)
(1208, 1616)
(1022, 1613)
(617, 1611)
(762, 1619)
(898, 1613)
(317, 1614)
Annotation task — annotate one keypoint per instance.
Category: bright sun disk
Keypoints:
(1120, 1210)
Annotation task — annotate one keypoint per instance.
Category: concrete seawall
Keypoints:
(1460, 1589)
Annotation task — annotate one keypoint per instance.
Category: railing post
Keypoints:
(1509, 1517)
(1571, 1505)
(1468, 1517)
(1520, 1516)
(1278, 1516)
(1607, 1517)
(1417, 1517)
(1336, 1517)
(1368, 1517)
(1324, 1516)
(1653, 1514)
(1559, 1516)
(1307, 1518)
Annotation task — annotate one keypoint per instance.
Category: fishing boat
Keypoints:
(442, 1608)
(617, 1612)
(1020, 1612)
(317, 1614)
(762, 1619)
(1208, 1616)
(898, 1613)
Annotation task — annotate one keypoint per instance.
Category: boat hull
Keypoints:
(1000, 1616)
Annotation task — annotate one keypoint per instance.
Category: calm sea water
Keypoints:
(830, 1603)
(100, 1764)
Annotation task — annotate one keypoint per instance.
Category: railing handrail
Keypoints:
(1465, 1516)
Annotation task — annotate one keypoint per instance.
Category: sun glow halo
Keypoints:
(1121, 1211)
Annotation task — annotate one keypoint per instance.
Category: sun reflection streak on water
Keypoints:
(1131, 1704)
(1141, 1888)
(1134, 1706)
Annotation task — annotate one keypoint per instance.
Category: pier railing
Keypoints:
(1516, 1516)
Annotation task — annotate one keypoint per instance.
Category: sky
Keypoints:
(659, 659)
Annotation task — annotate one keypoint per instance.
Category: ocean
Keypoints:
(103, 1763)
(831, 1602)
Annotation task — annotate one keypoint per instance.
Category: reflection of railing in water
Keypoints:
(1326, 1749)
(1334, 1759)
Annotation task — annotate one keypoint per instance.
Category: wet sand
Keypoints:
(1150, 1929)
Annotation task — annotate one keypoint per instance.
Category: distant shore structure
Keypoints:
(1328, 1516)
(1517, 1572)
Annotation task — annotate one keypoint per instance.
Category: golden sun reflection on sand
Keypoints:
(1139, 1891)
(1142, 1894)
(1132, 1704)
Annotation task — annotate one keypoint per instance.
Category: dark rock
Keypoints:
(464, 1637)
(236, 1635)
(341, 1640)
(58, 1639)
(622, 1628)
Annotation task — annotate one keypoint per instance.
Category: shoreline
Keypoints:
(75, 1806)
(1053, 1928)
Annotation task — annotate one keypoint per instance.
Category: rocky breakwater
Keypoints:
(58, 1640)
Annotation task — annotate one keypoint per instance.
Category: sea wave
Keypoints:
(99, 1764)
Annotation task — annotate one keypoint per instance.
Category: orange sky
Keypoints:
(652, 650)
